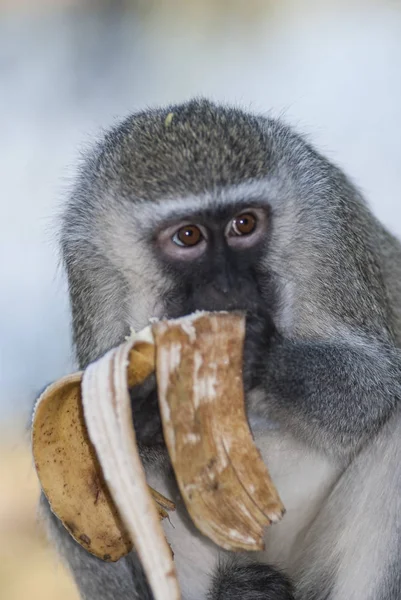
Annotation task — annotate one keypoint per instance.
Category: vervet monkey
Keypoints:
(201, 206)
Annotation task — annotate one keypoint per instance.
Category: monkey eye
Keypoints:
(247, 228)
(244, 224)
(183, 241)
(189, 235)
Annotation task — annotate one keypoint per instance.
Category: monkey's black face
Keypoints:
(215, 262)
(213, 259)
(191, 239)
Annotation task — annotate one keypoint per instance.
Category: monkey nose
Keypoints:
(213, 298)
(221, 290)
(222, 283)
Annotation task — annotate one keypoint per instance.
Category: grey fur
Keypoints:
(330, 378)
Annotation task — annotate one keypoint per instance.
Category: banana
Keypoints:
(87, 461)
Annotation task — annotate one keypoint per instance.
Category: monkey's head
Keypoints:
(191, 207)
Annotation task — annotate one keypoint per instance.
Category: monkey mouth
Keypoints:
(258, 331)
(174, 309)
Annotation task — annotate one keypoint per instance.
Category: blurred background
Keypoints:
(68, 69)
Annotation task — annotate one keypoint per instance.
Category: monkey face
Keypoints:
(213, 261)
(213, 258)
(215, 211)
(169, 219)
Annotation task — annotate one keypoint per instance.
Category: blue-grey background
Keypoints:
(68, 69)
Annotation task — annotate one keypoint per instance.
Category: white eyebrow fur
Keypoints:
(156, 212)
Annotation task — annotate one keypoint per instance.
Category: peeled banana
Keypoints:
(87, 460)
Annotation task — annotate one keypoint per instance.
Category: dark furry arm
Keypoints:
(337, 395)
(236, 581)
(96, 579)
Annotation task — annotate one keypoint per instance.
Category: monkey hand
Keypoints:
(252, 581)
(259, 332)
(146, 414)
